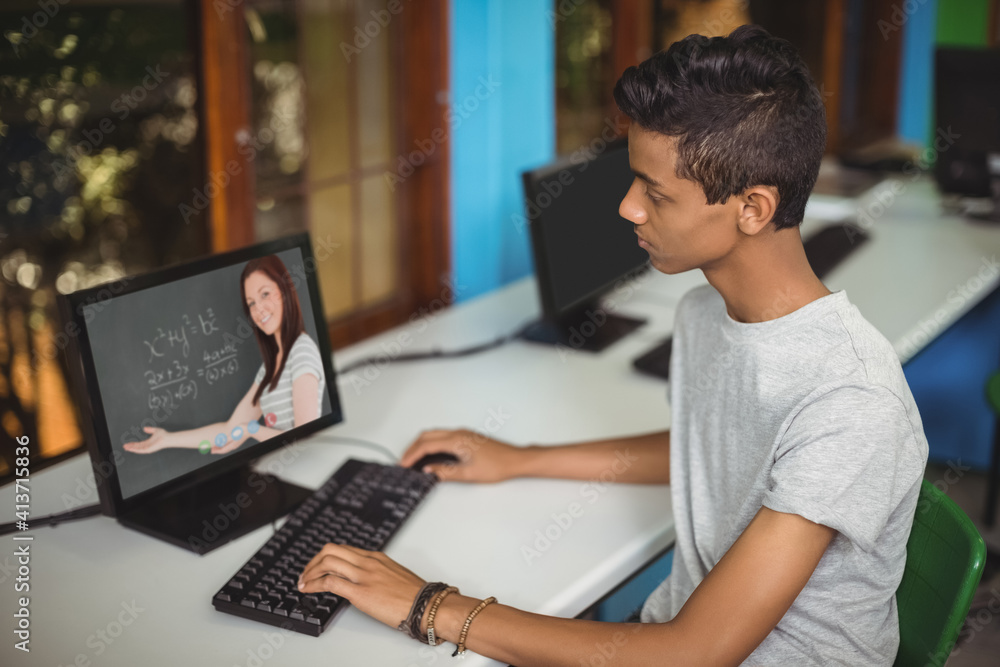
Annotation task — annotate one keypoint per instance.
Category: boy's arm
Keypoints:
(640, 459)
(728, 615)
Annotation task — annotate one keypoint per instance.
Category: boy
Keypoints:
(796, 451)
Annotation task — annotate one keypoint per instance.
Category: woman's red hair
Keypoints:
(291, 318)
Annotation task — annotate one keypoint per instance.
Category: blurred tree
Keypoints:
(99, 145)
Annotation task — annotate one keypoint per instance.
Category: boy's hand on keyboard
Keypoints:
(480, 459)
(370, 580)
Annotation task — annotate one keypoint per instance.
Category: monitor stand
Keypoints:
(589, 328)
(214, 512)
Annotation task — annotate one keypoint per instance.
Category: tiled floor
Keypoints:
(979, 642)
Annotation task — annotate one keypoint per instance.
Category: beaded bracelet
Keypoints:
(460, 649)
(432, 613)
(411, 624)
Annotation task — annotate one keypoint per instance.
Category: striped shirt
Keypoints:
(303, 358)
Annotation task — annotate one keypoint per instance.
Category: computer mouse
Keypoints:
(434, 458)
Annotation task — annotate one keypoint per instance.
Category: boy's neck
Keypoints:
(766, 277)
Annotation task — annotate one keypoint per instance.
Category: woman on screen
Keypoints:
(288, 389)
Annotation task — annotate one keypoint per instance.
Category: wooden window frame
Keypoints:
(420, 57)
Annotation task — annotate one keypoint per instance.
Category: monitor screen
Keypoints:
(581, 245)
(203, 366)
(967, 104)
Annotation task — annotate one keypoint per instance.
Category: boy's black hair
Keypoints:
(745, 112)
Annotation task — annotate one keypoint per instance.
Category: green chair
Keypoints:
(944, 562)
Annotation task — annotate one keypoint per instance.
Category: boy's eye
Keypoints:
(655, 198)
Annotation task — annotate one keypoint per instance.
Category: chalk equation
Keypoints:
(175, 373)
(170, 398)
(165, 341)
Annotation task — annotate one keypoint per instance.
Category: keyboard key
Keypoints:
(362, 504)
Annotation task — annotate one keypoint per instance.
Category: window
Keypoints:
(99, 140)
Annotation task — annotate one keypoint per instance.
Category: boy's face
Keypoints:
(672, 218)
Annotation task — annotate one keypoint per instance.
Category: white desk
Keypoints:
(471, 536)
(83, 573)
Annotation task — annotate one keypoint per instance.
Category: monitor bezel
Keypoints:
(532, 180)
(90, 402)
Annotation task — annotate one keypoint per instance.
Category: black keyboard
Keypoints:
(362, 505)
(655, 362)
(831, 245)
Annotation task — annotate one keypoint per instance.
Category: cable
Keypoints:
(54, 520)
(436, 353)
(361, 443)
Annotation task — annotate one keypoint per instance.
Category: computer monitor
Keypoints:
(181, 385)
(967, 104)
(582, 247)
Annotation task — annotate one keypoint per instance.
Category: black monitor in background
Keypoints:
(582, 248)
(967, 106)
(178, 350)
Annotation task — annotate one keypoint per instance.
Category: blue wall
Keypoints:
(503, 122)
(948, 378)
(496, 135)
(914, 115)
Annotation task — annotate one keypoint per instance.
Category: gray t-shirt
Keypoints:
(303, 358)
(807, 414)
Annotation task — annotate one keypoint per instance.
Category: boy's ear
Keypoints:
(757, 207)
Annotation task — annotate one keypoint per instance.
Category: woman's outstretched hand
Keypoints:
(156, 441)
(228, 447)
(480, 459)
(373, 582)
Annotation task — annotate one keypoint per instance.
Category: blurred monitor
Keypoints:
(582, 247)
(967, 104)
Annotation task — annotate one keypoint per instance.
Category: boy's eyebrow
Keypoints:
(646, 177)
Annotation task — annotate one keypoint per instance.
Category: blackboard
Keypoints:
(178, 356)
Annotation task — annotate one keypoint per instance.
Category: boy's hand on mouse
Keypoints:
(480, 459)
